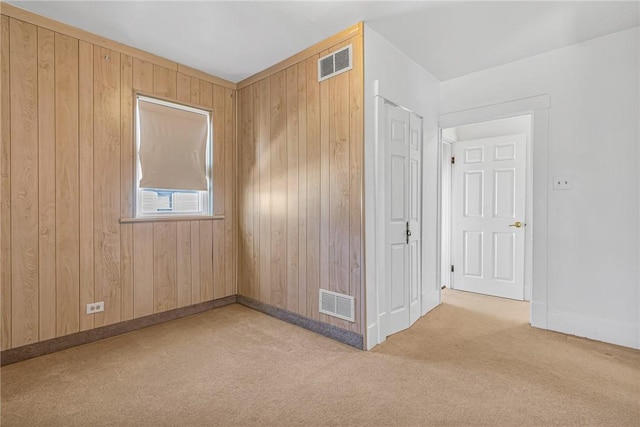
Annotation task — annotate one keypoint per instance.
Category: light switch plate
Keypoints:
(562, 182)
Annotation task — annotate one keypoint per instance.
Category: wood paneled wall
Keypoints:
(66, 180)
(300, 192)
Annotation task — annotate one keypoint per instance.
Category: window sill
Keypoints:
(172, 218)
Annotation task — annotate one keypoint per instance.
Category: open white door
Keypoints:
(488, 207)
(402, 213)
(415, 213)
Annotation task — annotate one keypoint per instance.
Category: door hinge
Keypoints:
(452, 268)
(453, 160)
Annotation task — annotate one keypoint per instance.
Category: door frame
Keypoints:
(536, 188)
(442, 142)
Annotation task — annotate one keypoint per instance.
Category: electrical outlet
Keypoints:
(562, 182)
(96, 307)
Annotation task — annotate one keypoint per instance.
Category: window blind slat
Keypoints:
(173, 146)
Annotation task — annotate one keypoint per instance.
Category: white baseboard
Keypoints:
(430, 301)
(372, 336)
(624, 334)
(538, 315)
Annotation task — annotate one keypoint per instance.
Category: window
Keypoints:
(173, 159)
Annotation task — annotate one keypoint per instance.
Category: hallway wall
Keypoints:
(593, 253)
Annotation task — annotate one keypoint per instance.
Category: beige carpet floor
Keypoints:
(472, 361)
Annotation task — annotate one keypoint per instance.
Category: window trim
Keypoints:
(207, 212)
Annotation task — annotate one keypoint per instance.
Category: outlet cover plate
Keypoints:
(96, 307)
(562, 182)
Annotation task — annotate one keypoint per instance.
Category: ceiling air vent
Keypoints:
(337, 305)
(335, 63)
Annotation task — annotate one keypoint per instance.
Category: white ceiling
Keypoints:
(451, 39)
(235, 39)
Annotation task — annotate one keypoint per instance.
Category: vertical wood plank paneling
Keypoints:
(183, 88)
(126, 137)
(66, 179)
(127, 262)
(219, 268)
(23, 40)
(298, 188)
(313, 187)
(206, 94)
(206, 260)
(143, 269)
(67, 186)
(195, 90)
(46, 184)
(302, 188)
(356, 161)
(85, 153)
(339, 134)
(165, 290)
(257, 194)
(292, 262)
(108, 283)
(142, 75)
(126, 183)
(5, 187)
(325, 188)
(164, 82)
(196, 279)
(317, 205)
(183, 263)
(229, 192)
(278, 145)
(246, 211)
(265, 190)
(218, 150)
(243, 192)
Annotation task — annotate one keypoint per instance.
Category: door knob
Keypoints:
(516, 224)
(408, 233)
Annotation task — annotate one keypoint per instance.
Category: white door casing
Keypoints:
(445, 214)
(536, 261)
(402, 148)
(488, 203)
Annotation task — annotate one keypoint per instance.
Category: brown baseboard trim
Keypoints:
(342, 335)
(30, 351)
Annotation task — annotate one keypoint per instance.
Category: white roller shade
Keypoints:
(172, 147)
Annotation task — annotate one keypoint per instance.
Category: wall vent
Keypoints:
(337, 305)
(335, 63)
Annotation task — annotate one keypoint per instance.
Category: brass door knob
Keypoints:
(516, 224)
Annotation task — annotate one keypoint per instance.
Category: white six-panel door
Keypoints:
(402, 143)
(488, 207)
(415, 213)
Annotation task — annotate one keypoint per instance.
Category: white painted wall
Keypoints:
(501, 127)
(402, 81)
(593, 237)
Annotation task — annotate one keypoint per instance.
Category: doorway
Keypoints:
(485, 244)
